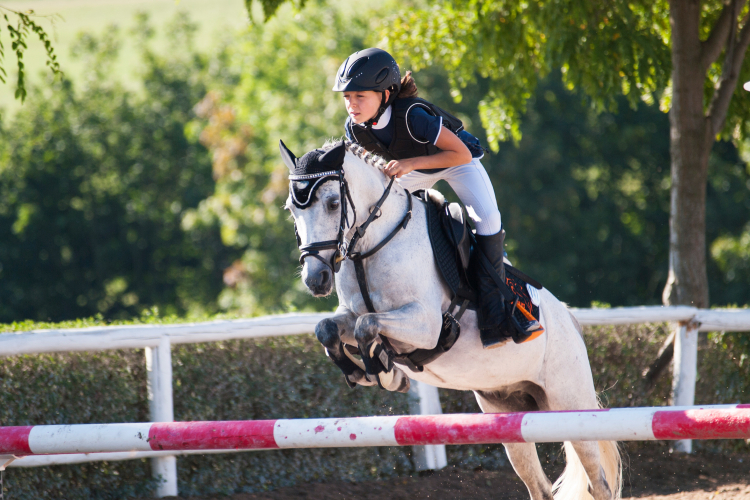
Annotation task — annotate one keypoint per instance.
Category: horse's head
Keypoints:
(321, 202)
(317, 192)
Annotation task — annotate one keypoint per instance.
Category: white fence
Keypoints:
(157, 340)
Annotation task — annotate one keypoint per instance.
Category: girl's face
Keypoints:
(362, 104)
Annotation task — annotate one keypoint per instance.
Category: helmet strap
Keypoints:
(384, 103)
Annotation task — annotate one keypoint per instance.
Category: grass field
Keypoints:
(71, 17)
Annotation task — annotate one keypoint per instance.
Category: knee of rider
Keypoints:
(489, 223)
(366, 329)
(327, 332)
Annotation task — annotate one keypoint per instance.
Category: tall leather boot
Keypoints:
(494, 328)
(497, 320)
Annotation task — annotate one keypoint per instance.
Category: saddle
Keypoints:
(457, 255)
(451, 240)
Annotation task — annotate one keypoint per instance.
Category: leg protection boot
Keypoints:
(493, 325)
(498, 319)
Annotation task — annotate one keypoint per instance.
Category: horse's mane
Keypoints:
(369, 158)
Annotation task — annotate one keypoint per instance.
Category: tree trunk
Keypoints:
(690, 145)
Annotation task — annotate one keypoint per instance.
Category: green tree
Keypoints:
(280, 88)
(93, 188)
(686, 54)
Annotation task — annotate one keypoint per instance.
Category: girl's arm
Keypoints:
(453, 153)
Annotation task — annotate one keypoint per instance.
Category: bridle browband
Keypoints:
(343, 249)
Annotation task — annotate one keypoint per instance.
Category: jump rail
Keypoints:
(622, 424)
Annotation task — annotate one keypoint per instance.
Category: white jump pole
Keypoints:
(161, 406)
(625, 424)
(685, 372)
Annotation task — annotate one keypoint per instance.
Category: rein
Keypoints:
(357, 257)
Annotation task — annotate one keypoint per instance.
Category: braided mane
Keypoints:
(369, 158)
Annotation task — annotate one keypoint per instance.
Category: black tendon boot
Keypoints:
(498, 320)
(493, 327)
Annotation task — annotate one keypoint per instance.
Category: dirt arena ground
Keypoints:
(653, 474)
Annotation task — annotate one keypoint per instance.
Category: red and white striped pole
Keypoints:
(626, 424)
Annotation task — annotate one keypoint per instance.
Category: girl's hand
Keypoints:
(401, 167)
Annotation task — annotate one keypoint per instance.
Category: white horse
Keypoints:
(549, 373)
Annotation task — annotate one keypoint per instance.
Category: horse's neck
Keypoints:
(367, 184)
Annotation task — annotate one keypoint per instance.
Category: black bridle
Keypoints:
(339, 244)
(344, 250)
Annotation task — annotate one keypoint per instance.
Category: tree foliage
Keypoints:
(281, 89)
(25, 26)
(604, 49)
(93, 187)
(609, 49)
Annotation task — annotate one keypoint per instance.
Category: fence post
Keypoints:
(684, 372)
(425, 400)
(159, 368)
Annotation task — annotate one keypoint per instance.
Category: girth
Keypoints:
(415, 360)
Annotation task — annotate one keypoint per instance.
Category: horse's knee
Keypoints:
(327, 332)
(366, 329)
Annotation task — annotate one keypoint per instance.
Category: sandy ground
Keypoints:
(652, 474)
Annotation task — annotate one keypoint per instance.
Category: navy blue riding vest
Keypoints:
(404, 144)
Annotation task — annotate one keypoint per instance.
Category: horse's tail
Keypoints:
(573, 483)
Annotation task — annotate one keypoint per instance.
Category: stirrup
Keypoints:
(526, 326)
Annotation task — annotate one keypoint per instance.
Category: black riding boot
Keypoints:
(497, 320)
(493, 327)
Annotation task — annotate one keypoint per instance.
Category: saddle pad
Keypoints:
(442, 248)
(447, 262)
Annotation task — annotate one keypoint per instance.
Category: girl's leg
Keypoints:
(472, 185)
(414, 181)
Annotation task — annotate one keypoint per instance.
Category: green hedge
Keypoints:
(290, 377)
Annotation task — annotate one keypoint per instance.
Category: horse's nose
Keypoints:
(319, 283)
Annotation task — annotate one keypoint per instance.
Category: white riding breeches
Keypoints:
(473, 187)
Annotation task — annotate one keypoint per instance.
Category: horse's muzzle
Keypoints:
(318, 281)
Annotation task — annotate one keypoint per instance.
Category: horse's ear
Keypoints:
(334, 156)
(289, 159)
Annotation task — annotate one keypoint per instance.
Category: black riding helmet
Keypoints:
(370, 69)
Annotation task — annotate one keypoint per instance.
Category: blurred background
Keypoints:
(147, 180)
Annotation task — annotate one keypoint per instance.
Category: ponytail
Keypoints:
(408, 87)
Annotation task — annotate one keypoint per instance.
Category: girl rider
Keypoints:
(423, 145)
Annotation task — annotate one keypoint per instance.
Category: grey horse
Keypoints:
(550, 373)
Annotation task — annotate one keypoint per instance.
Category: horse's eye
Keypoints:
(333, 204)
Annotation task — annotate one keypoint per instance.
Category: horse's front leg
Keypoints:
(330, 333)
(412, 324)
